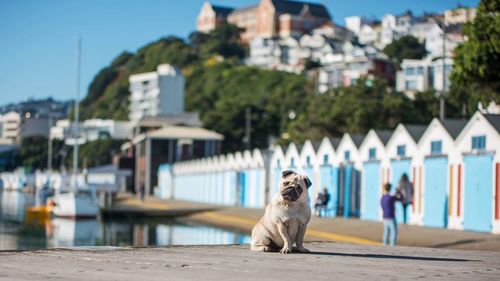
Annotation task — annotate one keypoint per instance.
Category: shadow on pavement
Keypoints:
(380, 256)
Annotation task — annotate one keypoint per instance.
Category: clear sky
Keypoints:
(38, 38)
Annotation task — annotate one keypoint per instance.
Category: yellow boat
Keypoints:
(38, 214)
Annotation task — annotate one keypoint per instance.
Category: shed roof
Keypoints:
(180, 132)
(384, 135)
(415, 131)
(358, 139)
(454, 126)
(494, 120)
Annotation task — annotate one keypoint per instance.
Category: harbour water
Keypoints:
(19, 231)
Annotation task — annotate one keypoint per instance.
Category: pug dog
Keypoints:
(285, 219)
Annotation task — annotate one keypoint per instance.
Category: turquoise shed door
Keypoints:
(329, 179)
(435, 196)
(371, 192)
(243, 183)
(400, 167)
(478, 192)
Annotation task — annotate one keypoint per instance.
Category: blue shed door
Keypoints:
(243, 184)
(478, 192)
(371, 193)
(329, 179)
(435, 197)
(400, 167)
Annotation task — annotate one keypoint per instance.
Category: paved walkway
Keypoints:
(324, 229)
(326, 262)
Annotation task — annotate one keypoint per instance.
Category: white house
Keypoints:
(401, 150)
(422, 75)
(440, 160)
(10, 127)
(375, 167)
(479, 200)
(156, 93)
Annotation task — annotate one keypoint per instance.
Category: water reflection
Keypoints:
(20, 231)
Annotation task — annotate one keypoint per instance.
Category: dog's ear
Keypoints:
(307, 181)
(286, 173)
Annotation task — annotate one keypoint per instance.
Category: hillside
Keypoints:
(222, 89)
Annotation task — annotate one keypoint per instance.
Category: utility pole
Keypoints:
(49, 153)
(77, 113)
(441, 96)
(248, 127)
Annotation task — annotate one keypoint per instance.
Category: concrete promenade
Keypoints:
(353, 231)
(327, 261)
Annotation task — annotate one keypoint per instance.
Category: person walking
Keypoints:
(388, 204)
(406, 188)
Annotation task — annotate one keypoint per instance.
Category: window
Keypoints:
(420, 70)
(292, 163)
(401, 150)
(436, 147)
(411, 85)
(479, 142)
(325, 159)
(347, 155)
(278, 163)
(410, 71)
(308, 160)
(372, 153)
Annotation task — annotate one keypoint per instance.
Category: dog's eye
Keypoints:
(300, 189)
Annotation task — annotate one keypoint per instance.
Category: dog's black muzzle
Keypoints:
(290, 193)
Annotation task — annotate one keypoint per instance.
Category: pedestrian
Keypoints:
(143, 191)
(406, 188)
(388, 204)
(321, 201)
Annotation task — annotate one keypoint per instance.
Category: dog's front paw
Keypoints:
(301, 249)
(286, 250)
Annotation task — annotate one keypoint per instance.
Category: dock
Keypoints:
(353, 231)
(326, 261)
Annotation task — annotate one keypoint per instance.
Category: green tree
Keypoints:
(359, 108)
(476, 68)
(406, 47)
(224, 40)
(96, 153)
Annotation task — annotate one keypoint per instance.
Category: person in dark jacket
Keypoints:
(388, 204)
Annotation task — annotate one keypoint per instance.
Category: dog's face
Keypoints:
(294, 186)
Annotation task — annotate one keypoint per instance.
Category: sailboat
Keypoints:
(75, 202)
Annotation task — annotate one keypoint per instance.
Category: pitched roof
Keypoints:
(454, 126)
(494, 120)
(222, 11)
(384, 135)
(179, 132)
(358, 139)
(298, 7)
(335, 142)
(316, 145)
(415, 131)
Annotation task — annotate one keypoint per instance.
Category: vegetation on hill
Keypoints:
(476, 70)
(283, 105)
(406, 47)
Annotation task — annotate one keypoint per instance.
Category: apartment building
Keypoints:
(156, 93)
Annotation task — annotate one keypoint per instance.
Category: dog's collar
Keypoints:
(284, 204)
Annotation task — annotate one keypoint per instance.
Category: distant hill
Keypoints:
(218, 85)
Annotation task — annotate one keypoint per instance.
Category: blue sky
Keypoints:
(38, 38)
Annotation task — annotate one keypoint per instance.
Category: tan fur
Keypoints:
(284, 222)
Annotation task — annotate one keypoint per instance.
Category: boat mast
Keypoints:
(77, 113)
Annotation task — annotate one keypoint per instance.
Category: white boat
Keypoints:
(75, 204)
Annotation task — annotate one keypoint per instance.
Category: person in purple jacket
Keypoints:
(388, 203)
